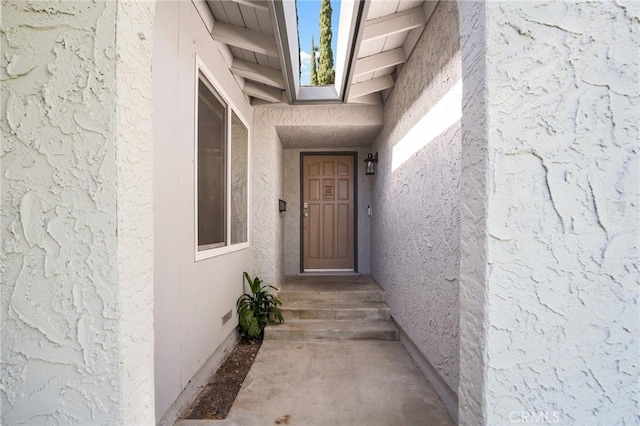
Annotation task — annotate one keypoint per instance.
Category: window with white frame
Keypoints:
(222, 161)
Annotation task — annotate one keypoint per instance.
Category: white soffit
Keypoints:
(244, 31)
(259, 41)
(391, 31)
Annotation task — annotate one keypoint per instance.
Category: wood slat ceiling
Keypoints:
(247, 48)
(390, 33)
(392, 29)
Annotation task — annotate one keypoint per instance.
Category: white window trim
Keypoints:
(201, 68)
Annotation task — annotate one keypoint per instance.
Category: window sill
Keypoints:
(220, 251)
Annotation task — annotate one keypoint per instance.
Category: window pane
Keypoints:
(211, 169)
(239, 163)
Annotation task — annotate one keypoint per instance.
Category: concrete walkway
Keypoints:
(348, 383)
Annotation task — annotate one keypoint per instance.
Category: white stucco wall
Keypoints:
(416, 216)
(292, 216)
(273, 249)
(190, 297)
(267, 179)
(279, 235)
(561, 98)
(473, 253)
(76, 295)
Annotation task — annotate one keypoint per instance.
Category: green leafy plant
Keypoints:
(257, 309)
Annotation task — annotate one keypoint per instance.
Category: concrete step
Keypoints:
(332, 330)
(330, 289)
(338, 310)
(290, 296)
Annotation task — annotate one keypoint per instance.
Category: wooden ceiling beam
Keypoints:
(371, 86)
(380, 61)
(257, 4)
(393, 24)
(245, 38)
(263, 92)
(259, 73)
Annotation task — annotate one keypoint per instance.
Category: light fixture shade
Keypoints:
(370, 164)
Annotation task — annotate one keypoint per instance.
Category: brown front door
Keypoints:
(328, 207)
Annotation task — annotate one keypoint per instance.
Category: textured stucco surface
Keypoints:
(473, 252)
(267, 238)
(328, 126)
(76, 299)
(560, 95)
(190, 297)
(268, 170)
(330, 135)
(292, 216)
(416, 216)
(134, 171)
(239, 181)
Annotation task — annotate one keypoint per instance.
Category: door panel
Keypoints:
(343, 168)
(328, 231)
(314, 169)
(328, 198)
(314, 231)
(314, 190)
(343, 189)
(343, 229)
(327, 168)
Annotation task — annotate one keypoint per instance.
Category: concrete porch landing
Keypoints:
(329, 374)
(348, 383)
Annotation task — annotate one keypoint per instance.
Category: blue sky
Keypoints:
(309, 25)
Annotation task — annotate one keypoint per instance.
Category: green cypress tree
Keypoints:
(314, 69)
(299, 55)
(326, 73)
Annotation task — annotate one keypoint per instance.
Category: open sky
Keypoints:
(309, 25)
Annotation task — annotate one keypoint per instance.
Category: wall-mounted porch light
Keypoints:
(370, 164)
